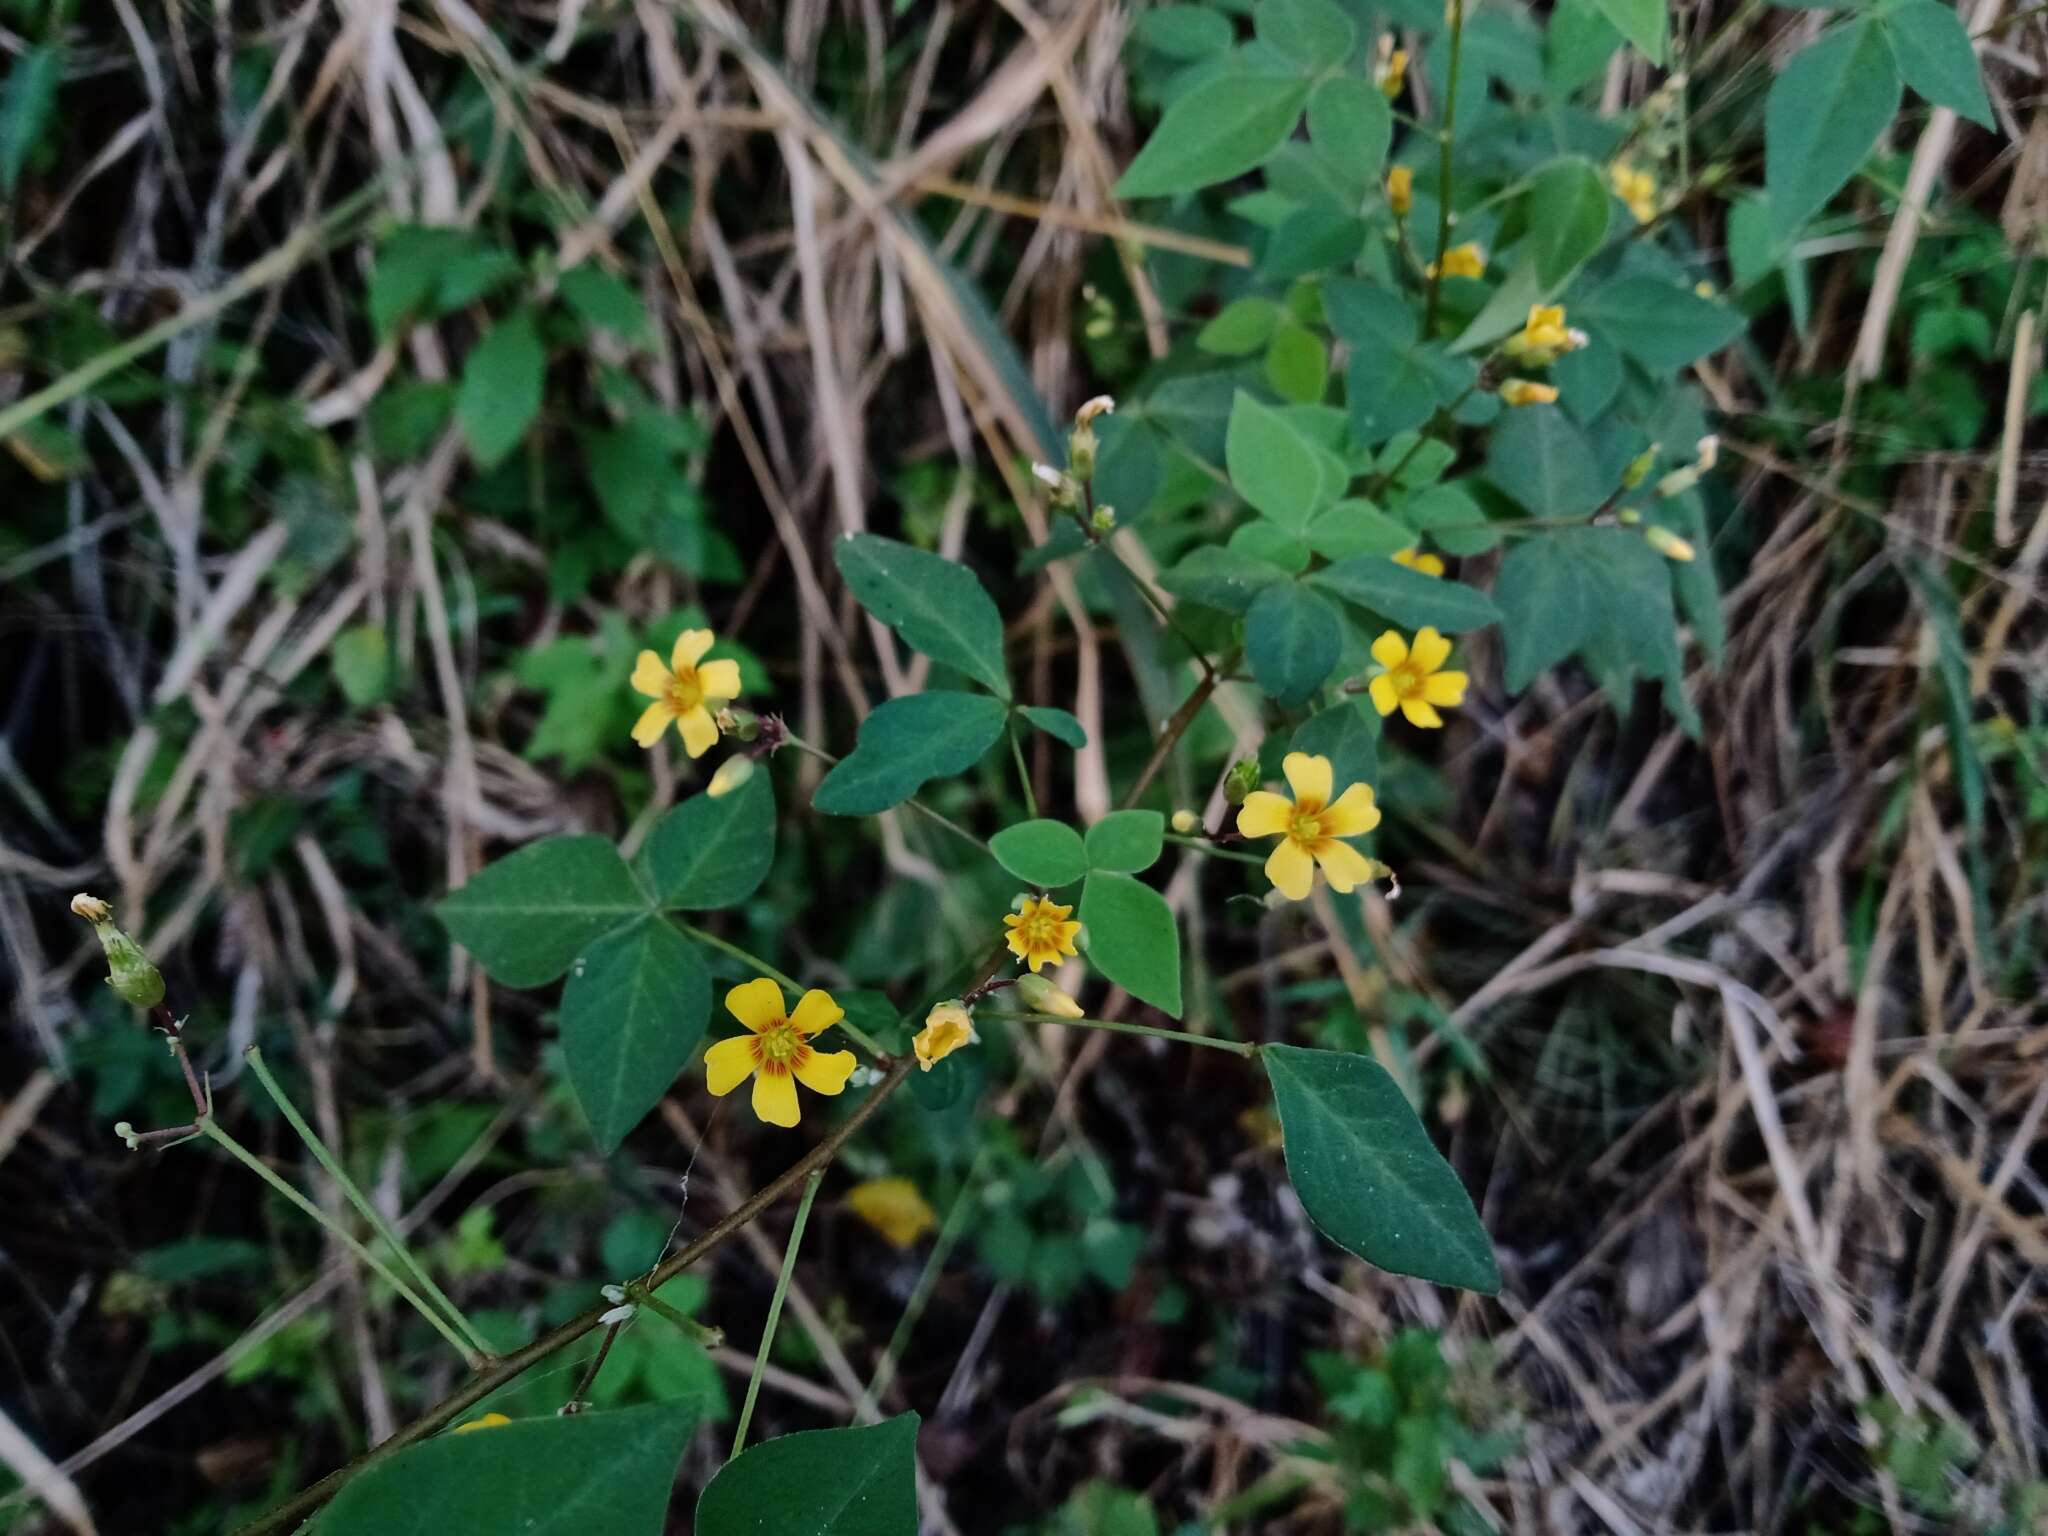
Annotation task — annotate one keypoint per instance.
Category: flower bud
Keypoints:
(1101, 405)
(126, 1131)
(1401, 191)
(739, 724)
(946, 1028)
(1060, 488)
(1081, 453)
(1527, 392)
(129, 972)
(1104, 520)
(1242, 779)
(1668, 544)
(1041, 996)
(732, 773)
(1639, 467)
(1186, 822)
(1628, 517)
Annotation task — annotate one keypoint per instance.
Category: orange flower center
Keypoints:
(1040, 930)
(1407, 679)
(779, 1047)
(684, 691)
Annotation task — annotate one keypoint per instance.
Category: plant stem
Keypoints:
(211, 1129)
(370, 1213)
(1178, 725)
(705, 1334)
(1208, 846)
(796, 1236)
(1118, 1026)
(1023, 773)
(1443, 190)
(853, 1032)
(293, 1512)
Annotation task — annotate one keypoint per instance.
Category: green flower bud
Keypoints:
(1639, 468)
(1242, 779)
(1081, 453)
(1104, 520)
(129, 972)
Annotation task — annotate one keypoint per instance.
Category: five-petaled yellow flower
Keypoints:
(776, 1051)
(1527, 392)
(1636, 188)
(1543, 338)
(1416, 560)
(1411, 680)
(1401, 190)
(894, 1208)
(1309, 827)
(1467, 260)
(1040, 933)
(946, 1028)
(689, 691)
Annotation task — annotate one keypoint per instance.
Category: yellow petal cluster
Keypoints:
(776, 1052)
(1412, 679)
(1467, 260)
(1636, 188)
(1416, 560)
(688, 691)
(1040, 932)
(1310, 828)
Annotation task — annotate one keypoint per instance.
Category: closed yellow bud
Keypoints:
(1041, 996)
(1668, 544)
(1401, 190)
(1528, 392)
(1185, 822)
(732, 773)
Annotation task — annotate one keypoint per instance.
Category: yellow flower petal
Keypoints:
(1308, 777)
(815, 1012)
(775, 1098)
(894, 1208)
(650, 676)
(699, 731)
(756, 1004)
(1264, 814)
(1390, 650)
(1353, 814)
(488, 1421)
(720, 679)
(1343, 865)
(826, 1072)
(1419, 713)
(691, 645)
(1386, 698)
(1444, 688)
(1291, 869)
(653, 721)
(728, 1064)
(1430, 651)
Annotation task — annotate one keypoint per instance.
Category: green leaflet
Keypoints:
(527, 916)
(907, 742)
(633, 1010)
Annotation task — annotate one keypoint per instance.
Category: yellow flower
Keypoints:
(1415, 560)
(1544, 338)
(1400, 190)
(946, 1028)
(776, 1051)
(1309, 827)
(1636, 188)
(1040, 933)
(1466, 260)
(688, 690)
(1041, 996)
(1527, 392)
(894, 1208)
(1391, 71)
(488, 1421)
(1411, 681)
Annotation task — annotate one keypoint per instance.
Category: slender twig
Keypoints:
(580, 1397)
(1209, 846)
(292, 1512)
(168, 1023)
(1023, 774)
(796, 1236)
(1178, 725)
(1120, 1027)
(356, 1198)
(1443, 189)
(853, 1032)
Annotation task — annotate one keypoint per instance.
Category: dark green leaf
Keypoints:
(633, 1010)
(1409, 598)
(1132, 938)
(1057, 723)
(1126, 842)
(590, 1474)
(708, 853)
(1292, 638)
(1274, 467)
(1241, 327)
(1348, 735)
(1824, 113)
(1350, 124)
(502, 380)
(26, 102)
(1540, 458)
(1643, 22)
(906, 742)
(859, 1481)
(1313, 33)
(1042, 853)
(1931, 47)
(1659, 324)
(1220, 129)
(604, 303)
(526, 917)
(1217, 577)
(936, 605)
(1567, 212)
(1368, 1174)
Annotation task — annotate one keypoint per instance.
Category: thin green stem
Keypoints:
(356, 1198)
(796, 1237)
(954, 1228)
(211, 1129)
(708, 1335)
(1444, 152)
(1177, 727)
(1023, 773)
(789, 983)
(1205, 845)
(1118, 1026)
